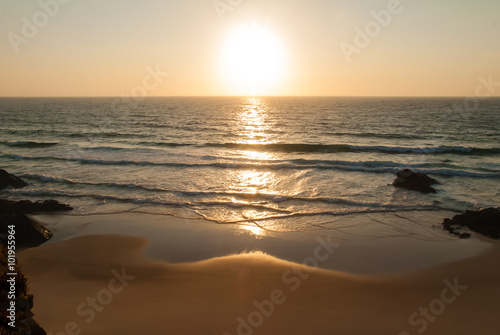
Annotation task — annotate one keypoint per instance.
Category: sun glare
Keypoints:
(253, 60)
(257, 231)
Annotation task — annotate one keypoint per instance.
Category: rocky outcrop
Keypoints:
(415, 181)
(28, 207)
(28, 232)
(24, 322)
(7, 179)
(485, 222)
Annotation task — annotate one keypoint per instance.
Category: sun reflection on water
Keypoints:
(256, 155)
(253, 128)
(252, 182)
(257, 231)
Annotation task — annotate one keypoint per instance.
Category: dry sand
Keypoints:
(77, 292)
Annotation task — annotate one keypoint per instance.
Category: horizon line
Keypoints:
(248, 96)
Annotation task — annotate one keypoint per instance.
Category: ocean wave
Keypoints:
(166, 144)
(77, 135)
(248, 197)
(203, 195)
(199, 200)
(155, 201)
(28, 144)
(110, 148)
(376, 135)
(106, 134)
(266, 147)
(368, 166)
(63, 194)
(355, 208)
(52, 179)
(455, 173)
(350, 211)
(45, 178)
(37, 193)
(336, 148)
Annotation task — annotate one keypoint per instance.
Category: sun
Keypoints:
(253, 60)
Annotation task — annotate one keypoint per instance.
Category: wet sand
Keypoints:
(370, 244)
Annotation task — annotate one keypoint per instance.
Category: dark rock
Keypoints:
(30, 327)
(415, 181)
(7, 179)
(27, 206)
(25, 324)
(485, 222)
(464, 235)
(28, 232)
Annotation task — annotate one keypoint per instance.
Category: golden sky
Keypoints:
(249, 47)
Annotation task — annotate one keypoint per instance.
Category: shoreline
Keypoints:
(367, 241)
(222, 295)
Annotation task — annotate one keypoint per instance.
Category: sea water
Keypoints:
(288, 163)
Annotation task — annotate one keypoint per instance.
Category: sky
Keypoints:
(249, 47)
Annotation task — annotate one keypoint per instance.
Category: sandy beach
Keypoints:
(88, 281)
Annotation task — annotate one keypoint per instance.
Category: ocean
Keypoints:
(283, 163)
